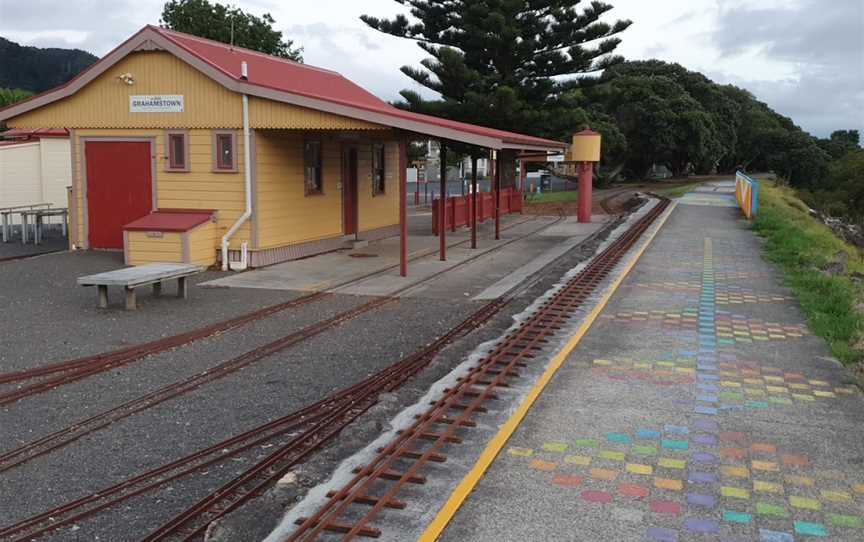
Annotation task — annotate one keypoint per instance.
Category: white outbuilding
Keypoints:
(35, 167)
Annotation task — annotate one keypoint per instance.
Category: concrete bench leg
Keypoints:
(157, 289)
(182, 288)
(103, 297)
(130, 299)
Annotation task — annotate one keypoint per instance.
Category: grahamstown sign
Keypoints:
(168, 103)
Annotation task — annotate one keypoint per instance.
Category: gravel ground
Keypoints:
(273, 387)
(45, 301)
(257, 519)
(14, 247)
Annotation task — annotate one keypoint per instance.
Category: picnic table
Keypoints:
(39, 216)
(7, 212)
(141, 275)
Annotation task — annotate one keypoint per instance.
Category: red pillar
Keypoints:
(586, 173)
(497, 163)
(473, 202)
(403, 203)
(442, 207)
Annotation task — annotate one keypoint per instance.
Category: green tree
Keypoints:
(215, 21)
(508, 64)
(662, 123)
(8, 96)
(840, 143)
(841, 191)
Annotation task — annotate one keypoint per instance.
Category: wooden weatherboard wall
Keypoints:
(283, 215)
(104, 103)
(198, 188)
(286, 215)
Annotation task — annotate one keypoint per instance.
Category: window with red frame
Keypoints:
(225, 151)
(177, 151)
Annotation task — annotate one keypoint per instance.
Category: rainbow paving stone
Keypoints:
(703, 478)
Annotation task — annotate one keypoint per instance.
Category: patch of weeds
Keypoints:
(804, 249)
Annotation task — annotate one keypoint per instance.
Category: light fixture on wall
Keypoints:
(127, 78)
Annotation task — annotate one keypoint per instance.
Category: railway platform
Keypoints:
(482, 273)
(685, 399)
(698, 407)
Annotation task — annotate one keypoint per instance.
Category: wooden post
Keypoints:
(473, 202)
(182, 288)
(442, 207)
(403, 202)
(497, 195)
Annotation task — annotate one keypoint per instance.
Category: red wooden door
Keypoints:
(349, 192)
(119, 188)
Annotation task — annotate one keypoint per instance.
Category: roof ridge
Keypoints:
(170, 33)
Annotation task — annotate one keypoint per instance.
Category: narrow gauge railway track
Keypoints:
(71, 433)
(377, 485)
(306, 430)
(58, 374)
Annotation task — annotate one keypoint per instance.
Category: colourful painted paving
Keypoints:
(698, 407)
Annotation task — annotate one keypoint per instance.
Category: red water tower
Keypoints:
(585, 151)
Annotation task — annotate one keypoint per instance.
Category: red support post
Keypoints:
(442, 207)
(586, 173)
(497, 195)
(403, 203)
(473, 202)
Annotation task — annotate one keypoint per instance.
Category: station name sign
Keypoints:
(166, 103)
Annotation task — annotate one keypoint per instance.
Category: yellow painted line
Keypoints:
(470, 481)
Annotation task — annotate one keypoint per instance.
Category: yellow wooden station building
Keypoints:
(190, 150)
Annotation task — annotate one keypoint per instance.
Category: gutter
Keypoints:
(247, 175)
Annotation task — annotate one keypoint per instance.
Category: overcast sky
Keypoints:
(805, 58)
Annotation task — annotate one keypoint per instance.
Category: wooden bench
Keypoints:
(141, 275)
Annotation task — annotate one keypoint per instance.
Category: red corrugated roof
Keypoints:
(170, 220)
(304, 80)
(36, 132)
(282, 76)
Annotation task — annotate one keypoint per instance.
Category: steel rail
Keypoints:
(312, 420)
(69, 434)
(501, 364)
(84, 367)
(192, 523)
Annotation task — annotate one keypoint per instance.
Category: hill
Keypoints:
(35, 69)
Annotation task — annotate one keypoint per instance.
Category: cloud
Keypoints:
(822, 46)
(96, 26)
(802, 57)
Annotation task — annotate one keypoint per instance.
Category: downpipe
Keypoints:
(247, 173)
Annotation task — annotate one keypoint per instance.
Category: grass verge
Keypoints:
(676, 191)
(803, 247)
(553, 197)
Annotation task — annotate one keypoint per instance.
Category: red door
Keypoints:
(349, 192)
(119, 188)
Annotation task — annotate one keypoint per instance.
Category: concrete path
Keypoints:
(488, 271)
(698, 407)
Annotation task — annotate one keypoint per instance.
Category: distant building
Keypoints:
(34, 167)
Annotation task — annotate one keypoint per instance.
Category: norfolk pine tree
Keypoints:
(507, 64)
